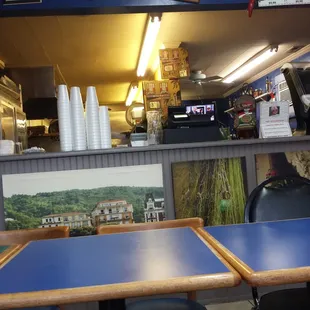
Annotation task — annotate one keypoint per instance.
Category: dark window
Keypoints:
(110, 210)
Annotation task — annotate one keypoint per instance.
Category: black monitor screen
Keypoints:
(202, 109)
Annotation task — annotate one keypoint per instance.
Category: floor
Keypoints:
(239, 305)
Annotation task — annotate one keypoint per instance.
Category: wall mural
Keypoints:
(214, 190)
(83, 199)
(282, 164)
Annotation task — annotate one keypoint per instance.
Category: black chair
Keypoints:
(165, 303)
(280, 198)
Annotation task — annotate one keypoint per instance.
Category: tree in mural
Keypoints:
(211, 189)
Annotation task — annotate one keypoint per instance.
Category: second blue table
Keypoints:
(268, 253)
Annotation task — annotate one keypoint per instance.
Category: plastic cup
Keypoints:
(91, 96)
(63, 93)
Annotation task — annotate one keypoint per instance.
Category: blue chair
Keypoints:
(280, 198)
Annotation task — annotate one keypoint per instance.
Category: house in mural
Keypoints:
(72, 220)
(154, 209)
(112, 212)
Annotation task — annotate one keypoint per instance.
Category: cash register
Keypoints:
(192, 123)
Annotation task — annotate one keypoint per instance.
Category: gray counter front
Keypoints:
(161, 154)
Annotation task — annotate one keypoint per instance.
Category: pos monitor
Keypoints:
(297, 76)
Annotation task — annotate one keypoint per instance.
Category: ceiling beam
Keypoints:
(65, 7)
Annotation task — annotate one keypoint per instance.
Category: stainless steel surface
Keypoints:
(21, 128)
(8, 123)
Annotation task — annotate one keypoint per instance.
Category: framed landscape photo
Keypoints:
(83, 199)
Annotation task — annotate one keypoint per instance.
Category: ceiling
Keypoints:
(103, 50)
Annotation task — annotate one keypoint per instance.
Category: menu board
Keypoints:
(174, 63)
(274, 119)
(269, 3)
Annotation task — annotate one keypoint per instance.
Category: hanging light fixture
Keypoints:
(148, 43)
(251, 64)
(131, 94)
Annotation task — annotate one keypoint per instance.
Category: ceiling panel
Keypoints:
(103, 50)
(99, 50)
(219, 42)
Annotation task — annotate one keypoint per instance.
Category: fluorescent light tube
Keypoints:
(148, 44)
(250, 64)
(131, 95)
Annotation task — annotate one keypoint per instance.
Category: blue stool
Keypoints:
(165, 304)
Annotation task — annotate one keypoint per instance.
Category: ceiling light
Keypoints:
(148, 44)
(131, 94)
(251, 64)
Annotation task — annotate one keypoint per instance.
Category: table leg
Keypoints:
(192, 296)
(116, 304)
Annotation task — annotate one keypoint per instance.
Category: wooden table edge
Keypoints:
(280, 276)
(235, 274)
(116, 291)
(241, 268)
(10, 252)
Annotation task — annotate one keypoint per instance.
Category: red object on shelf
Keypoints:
(251, 7)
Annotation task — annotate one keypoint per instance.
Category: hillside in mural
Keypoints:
(214, 190)
(26, 211)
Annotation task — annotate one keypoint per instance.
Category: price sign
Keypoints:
(269, 3)
(13, 2)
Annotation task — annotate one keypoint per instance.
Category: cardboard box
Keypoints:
(174, 63)
(158, 95)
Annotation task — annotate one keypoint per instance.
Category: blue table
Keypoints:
(60, 271)
(268, 253)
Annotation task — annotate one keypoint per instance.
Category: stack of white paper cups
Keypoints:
(92, 119)
(64, 119)
(77, 120)
(105, 128)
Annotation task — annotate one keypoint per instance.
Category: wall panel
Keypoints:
(163, 154)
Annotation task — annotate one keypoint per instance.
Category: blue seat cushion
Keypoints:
(165, 304)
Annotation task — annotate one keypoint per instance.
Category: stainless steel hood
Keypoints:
(38, 91)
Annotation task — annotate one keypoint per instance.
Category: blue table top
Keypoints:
(267, 246)
(109, 259)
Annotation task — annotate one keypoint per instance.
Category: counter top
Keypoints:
(161, 147)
